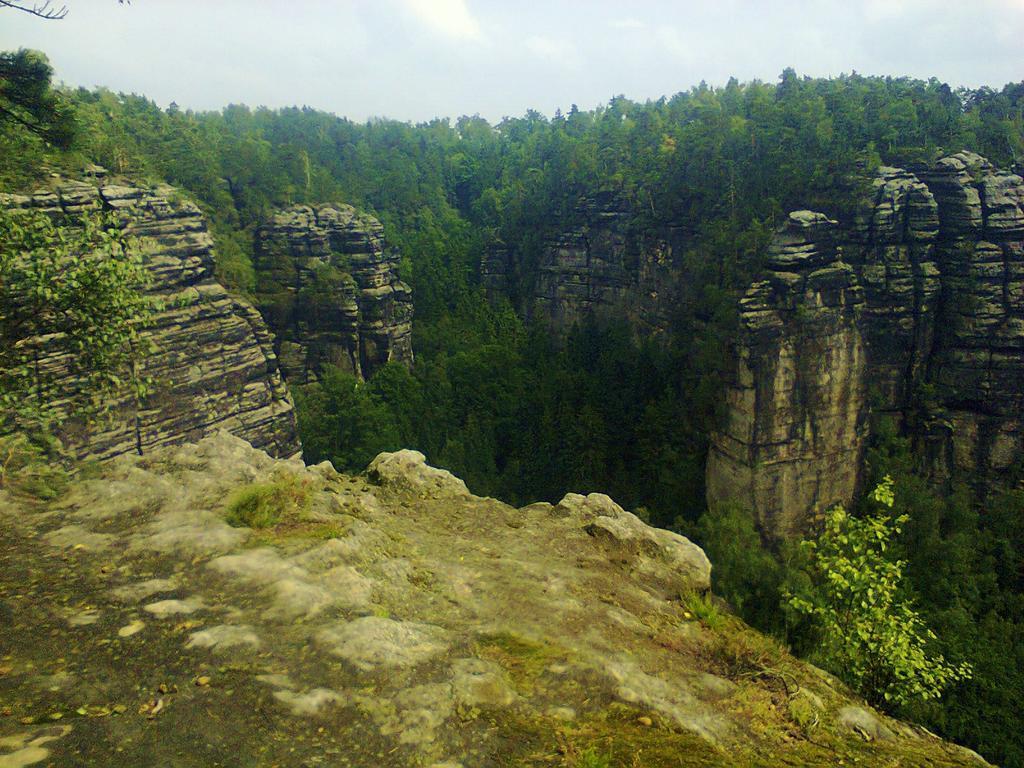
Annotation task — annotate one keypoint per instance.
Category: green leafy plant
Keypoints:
(703, 608)
(71, 291)
(592, 758)
(871, 635)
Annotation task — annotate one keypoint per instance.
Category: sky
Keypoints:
(420, 59)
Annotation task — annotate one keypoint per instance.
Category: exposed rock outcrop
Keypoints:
(978, 366)
(794, 431)
(600, 267)
(925, 325)
(402, 624)
(495, 270)
(329, 289)
(213, 367)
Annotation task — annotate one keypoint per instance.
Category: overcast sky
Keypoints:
(419, 59)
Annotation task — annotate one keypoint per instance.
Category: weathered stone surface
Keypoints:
(794, 431)
(600, 267)
(476, 641)
(674, 561)
(978, 363)
(329, 289)
(495, 270)
(213, 367)
(931, 304)
(407, 470)
(891, 245)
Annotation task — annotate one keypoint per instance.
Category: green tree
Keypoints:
(342, 421)
(27, 100)
(71, 290)
(871, 635)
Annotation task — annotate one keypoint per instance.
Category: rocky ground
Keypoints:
(390, 619)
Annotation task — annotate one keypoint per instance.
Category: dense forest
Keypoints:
(523, 416)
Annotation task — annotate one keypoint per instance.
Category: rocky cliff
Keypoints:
(330, 291)
(920, 318)
(213, 367)
(601, 267)
(391, 619)
(794, 431)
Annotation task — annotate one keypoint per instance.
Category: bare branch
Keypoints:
(44, 10)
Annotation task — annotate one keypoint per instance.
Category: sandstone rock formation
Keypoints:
(922, 321)
(978, 368)
(329, 290)
(213, 367)
(402, 624)
(600, 267)
(794, 431)
(496, 270)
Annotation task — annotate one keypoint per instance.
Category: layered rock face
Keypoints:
(599, 268)
(794, 432)
(978, 371)
(213, 366)
(329, 289)
(891, 244)
(926, 325)
(495, 270)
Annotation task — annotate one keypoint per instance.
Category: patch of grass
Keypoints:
(612, 739)
(703, 608)
(264, 505)
(26, 470)
(738, 652)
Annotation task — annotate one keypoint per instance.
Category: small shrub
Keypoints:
(263, 505)
(26, 469)
(803, 713)
(873, 636)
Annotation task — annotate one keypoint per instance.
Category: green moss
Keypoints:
(523, 659)
(592, 758)
(299, 529)
(803, 713)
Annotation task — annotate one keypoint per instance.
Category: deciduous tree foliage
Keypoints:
(871, 635)
(76, 283)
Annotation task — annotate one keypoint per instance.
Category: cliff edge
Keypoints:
(386, 619)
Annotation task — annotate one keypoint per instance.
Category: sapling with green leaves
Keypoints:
(871, 635)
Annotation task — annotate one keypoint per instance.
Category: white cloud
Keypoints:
(449, 17)
(629, 23)
(557, 51)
